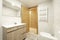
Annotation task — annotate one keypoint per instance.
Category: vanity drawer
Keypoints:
(21, 26)
(23, 30)
(11, 29)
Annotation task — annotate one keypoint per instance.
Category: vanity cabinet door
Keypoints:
(10, 36)
(13, 35)
(20, 33)
(17, 35)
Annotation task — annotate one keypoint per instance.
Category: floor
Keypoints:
(31, 36)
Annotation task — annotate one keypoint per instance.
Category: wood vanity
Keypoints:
(14, 33)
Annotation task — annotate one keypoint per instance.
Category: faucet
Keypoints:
(15, 23)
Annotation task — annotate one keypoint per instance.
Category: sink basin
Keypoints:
(12, 25)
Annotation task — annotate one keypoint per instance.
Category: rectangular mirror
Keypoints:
(11, 8)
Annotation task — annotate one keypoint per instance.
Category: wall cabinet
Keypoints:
(11, 8)
(16, 33)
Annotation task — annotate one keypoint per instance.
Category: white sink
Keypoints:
(12, 25)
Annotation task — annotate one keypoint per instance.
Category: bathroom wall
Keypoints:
(56, 4)
(46, 26)
(8, 19)
(0, 19)
(25, 16)
(33, 20)
(9, 12)
(10, 15)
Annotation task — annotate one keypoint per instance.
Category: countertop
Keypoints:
(12, 25)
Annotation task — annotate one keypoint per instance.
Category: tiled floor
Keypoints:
(31, 36)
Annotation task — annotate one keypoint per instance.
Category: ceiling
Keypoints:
(31, 3)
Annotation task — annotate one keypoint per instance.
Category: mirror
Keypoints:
(11, 8)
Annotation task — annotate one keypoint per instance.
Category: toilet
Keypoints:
(46, 36)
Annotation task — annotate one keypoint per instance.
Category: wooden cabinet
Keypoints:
(16, 33)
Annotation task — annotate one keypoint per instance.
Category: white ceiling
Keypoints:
(31, 3)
